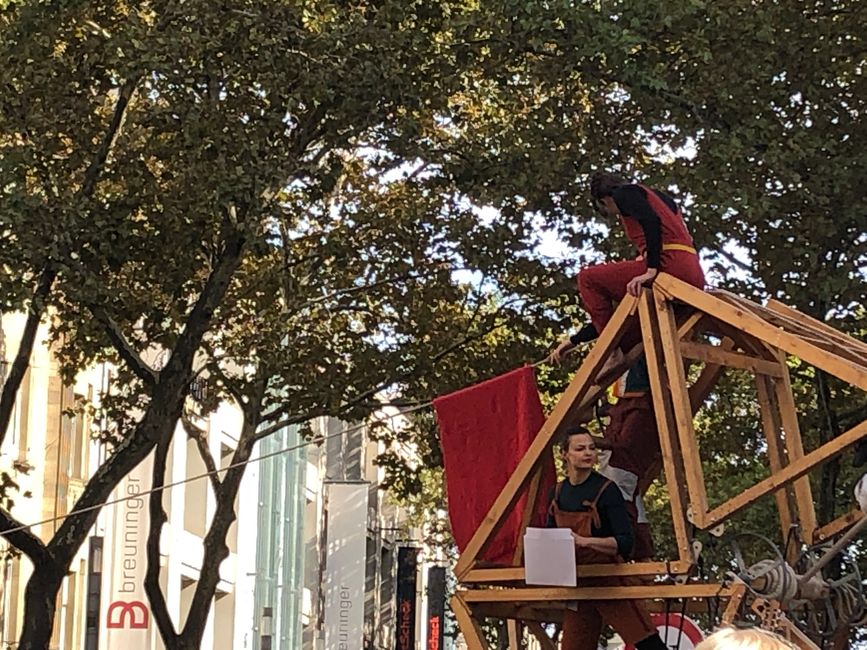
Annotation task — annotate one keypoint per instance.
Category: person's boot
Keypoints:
(653, 642)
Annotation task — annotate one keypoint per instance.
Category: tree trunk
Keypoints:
(215, 548)
(157, 423)
(9, 393)
(40, 598)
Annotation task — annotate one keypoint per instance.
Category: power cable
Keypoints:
(198, 477)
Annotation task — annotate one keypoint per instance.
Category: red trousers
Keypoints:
(604, 285)
(634, 438)
(629, 618)
(635, 461)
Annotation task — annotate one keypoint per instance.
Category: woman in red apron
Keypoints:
(654, 224)
(593, 508)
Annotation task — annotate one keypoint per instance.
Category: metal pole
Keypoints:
(834, 550)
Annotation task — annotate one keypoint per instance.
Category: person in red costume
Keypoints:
(632, 456)
(654, 224)
(593, 508)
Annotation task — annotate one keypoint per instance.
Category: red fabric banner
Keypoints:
(485, 430)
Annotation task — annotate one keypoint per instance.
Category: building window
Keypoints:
(94, 589)
(386, 596)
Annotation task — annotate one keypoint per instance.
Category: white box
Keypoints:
(549, 557)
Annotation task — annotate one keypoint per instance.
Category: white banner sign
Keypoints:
(125, 616)
(345, 566)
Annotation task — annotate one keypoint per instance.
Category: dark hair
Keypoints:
(603, 184)
(574, 431)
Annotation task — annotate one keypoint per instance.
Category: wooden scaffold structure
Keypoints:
(681, 325)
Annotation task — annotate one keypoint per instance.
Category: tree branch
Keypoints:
(120, 343)
(734, 260)
(162, 414)
(88, 186)
(215, 547)
(212, 294)
(158, 518)
(467, 339)
(93, 172)
(200, 438)
(401, 403)
(278, 412)
(126, 351)
(281, 424)
(381, 283)
(25, 347)
(24, 540)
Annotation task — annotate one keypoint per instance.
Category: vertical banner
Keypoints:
(436, 607)
(345, 566)
(125, 614)
(407, 568)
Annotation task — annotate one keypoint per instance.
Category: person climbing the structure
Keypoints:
(654, 224)
(593, 508)
(632, 458)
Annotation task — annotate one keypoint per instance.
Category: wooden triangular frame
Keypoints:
(754, 338)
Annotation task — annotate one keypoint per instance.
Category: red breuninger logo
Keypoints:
(123, 608)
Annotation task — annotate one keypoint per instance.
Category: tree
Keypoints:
(293, 186)
(202, 181)
(750, 115)
(777, 166)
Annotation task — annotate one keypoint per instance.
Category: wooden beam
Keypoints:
(798, 327)
(706, 381)
(793, 471)
(544, 640)
(715, 355)
(852, 344)
(569, 400)
(769, 412)
(469, 626)
(688, 325)
(739, 591)
(794, 634)
(745, 342)
(611, 374)
(516, 574)
(551, 612)
(795, 449)
(584, 412)
(665, 424)
(832, 552)
(839, 525)
(755, 326)
(640, 592)
(514, 632)
(686, 606)
(529, 507)
(681, 408)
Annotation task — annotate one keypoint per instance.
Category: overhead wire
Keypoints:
(208, 474)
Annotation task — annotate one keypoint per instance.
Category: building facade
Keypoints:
(272, 589)
(47, 452)
(291, 570)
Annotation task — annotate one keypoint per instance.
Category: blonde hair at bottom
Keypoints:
(731, 638)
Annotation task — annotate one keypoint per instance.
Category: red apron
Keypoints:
(582, 626)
